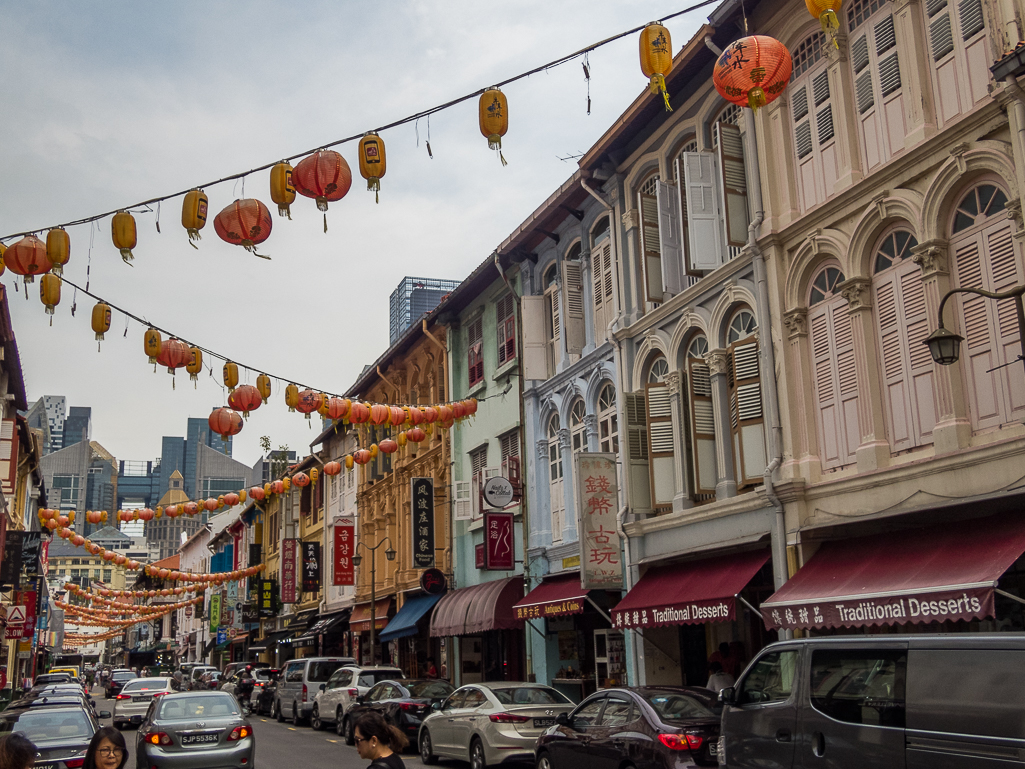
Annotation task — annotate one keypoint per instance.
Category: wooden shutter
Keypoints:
(475, 352)
(660, 445)
(535, 361)
(669, 236)
(9, 457)
(702, 426)
(745, 403)
(651, 246)
(601, 273)
(505, 318)
(835, 383)
(681, 190)
(734, 183)
(701, 177)
(573, 283)
(637, 450)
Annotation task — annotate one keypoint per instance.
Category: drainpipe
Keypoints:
(768, 360)
(1011, 85)
(712, 46)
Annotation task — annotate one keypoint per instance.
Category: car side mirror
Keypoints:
(104, 714)
(728, 696)
(563, 719)
(323, 687)
(435, 706)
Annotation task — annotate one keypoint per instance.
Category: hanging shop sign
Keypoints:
(478, 556)
(249, 613)
(10, 567)
(268, 603)
(345, 545)
(30, 547)
(215, 611)
(289, 559)
(422, 499)
(433, 582)
(311, 567)
(498, 492)
(499, 551)
(601, 565)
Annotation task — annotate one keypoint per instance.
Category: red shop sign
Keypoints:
(345, 545)
(499, 548)
(289, 558)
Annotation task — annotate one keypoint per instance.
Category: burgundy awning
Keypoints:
(359, 622)
(554, 597)
(931, 574)
(488, 606)
(689, 593)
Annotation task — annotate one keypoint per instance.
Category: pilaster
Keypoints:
(916, 78)
(681, 497)
(726, 480)
(805, 461)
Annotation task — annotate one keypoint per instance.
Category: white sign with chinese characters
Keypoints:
(601, 562)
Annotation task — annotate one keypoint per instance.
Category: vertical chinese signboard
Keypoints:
(422, 497)
(289, 557)
(499, 548)
(267, 603)
(311, 567)
(597, 496)
(215, 611)
(345, 545)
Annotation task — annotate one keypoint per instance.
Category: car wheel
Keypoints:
(350, 732)
(426, 756)
(277, 712)
(296, 718)
(339, 723)
(477, 758)
(543, 762)
(315, 723)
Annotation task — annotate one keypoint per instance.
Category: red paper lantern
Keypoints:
(146, 514)
(109, 555)
(191, 508)
(278, 487)
(416, 435)
(246, 398)
(225, 422)
(27, 258)
(301, 479)
(231, 499)
(397, 415)
(324, 176)
(388, 446)
(458, 410)
(121, 559)
(174, 354)
(332, 468)
(245, 223)
(337, 408)
(210, 504)
(257, 493)
(752, 71)
(445, 413)
(379, 414)
(471, 406)
(361, 456)
(309, 401)
(359, 413)
(430, 415)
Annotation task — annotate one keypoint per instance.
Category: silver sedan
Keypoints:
(195, 730)
(134, 700)
(491, 723)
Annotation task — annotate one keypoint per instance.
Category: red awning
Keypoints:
(689, 593)
(931, 574)
(488, 606)
(359, 622)
(554, 597)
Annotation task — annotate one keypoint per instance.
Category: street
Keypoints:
(280, 745)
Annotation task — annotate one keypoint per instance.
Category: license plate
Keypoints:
(139, 699)
(713, 747)
(50, 765)
(199, 739)
(541, 723)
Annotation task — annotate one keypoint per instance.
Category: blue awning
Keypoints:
(404, 623)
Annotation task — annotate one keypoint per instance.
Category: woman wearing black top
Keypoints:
(377, 740)
(107, 750)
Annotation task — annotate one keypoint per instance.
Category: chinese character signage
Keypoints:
(423, 522)
(345, 547)
(289, 557)
(601, 566)
(10, 566)
(268, 605)
(311, 567)
(215, 611)
(44, 557)
(550, 609)
(499, 552)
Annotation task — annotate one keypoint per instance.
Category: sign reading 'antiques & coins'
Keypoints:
(422, 496)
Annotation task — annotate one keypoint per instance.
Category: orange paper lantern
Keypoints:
(28, 258)
(301, 479)
(309, 401)
(752, 71)
(246, 398)
(174, 354)
(245, 223)
(332, 468)
(225, 422)
(323, 176)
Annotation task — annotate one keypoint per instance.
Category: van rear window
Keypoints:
(321, 671)
(860, 686)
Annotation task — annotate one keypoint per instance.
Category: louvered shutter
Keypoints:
(669, 237)
(463, 507)
(836, 383)
(637, 450)
(745, 403)
(681, 191)
(702, 426)
(573, 284)
(701, 177)
(505, 317)
(8, 456)
(555, 325)
(601, 273)
(733, 187)
(535, 361)
(660, 445)
(475, 352)
(651, 247)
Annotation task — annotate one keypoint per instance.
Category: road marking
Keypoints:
(291, 728)
(332, 740)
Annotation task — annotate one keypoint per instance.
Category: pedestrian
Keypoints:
(726, 658)
(16, 752)
(107, 750)
(719, 678)
(378, 741)
(432, 671)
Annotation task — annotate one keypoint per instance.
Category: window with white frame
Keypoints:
(702, 421)
(601, 279)
(558, 504)
(660, 436)
(691, 145)
(957, 50)
(744, 397)
(475, 352)
(509, 447)
(608, 420)
(505, 317)
(479, 460)
(811, 108)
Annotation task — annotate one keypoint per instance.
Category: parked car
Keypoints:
(135, 698)
(61, 733)
(404, 702)
(195, 729)
(265, 690)
(116, 681)
(660, 727)
(338, 694)
(948, 701)
(196, 676)
(52, 678)
(299, 683)
(491, 723)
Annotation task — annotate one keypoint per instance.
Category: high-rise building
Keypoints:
(80, 477)
(413, 298)
(48, 415)
(78, 425)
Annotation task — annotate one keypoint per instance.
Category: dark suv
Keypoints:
(117, 681)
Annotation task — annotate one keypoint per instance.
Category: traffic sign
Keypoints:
(16, 615)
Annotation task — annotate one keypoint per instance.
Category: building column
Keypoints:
(569, 518)
(915, 63)
(681, 497)
(632, 307)
(591, 431)
(726, 480)
(544, 490)
(804, 461)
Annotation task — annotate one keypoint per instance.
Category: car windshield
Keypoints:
(426, 689)
(266, 674)
(677, 706)
(49, 725)
(371, 677)
(530, 695)
(52, 678)
(197, 707)
(146, 685)
(321, 671)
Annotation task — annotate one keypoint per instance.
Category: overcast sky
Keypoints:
(106, 104)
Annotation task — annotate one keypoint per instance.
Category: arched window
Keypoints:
(553, 318)
(834, 369)
(601, 279)
(957, 51)
(558, 504)
(702, 421)
(811, 106)
(744, 388)
(907, 367)
(660, 436)
(608, 420)
(985, 257)
(577, 427)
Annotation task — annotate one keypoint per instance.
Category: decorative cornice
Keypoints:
(631, 219)
(796, 322)
(858, 293)
(716, 360)
(565, 439)
(931, 257)
(673, 381)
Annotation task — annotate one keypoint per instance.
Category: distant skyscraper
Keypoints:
(48, 415)
(412, 298)
(78, 426)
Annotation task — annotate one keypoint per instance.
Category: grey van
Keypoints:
(299, 683)
(901, 702)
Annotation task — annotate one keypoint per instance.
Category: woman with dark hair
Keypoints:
(377, 740)
(107, 750)
(16, 752)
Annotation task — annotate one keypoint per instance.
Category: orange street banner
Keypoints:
(601, 563)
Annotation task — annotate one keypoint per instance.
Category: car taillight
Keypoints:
(507, 718)
(159, 694)
(682, 741)
(239, 733)
(258, 684)
(124, 697)
(304, 692)
(354, 692)
(157, 738)
(409, 706)
(74, 763)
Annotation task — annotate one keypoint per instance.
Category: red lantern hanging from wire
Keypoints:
(323, 176)
(174, 354)
(245, 398)
(301, 480)
(752, 71)
(332, 468)
(309, 401)
(225, 423)
(245, 223)
(28, 258)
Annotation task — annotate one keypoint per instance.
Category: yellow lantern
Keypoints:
(286, 482)
(372, 162)
(291, 397)
(349, 463)
(322, 409)
(122, 229)
(58, 248)
(101, 321)
(373, 451)
(230, 373)
(314, 475)
(267, 489)
(50, 292)
(194, 209)
(152, 344)
(401, 438)
(657, 58)
(494, 119)
(3, 250)
(242, 495)
(263, 386)
(195, 365)
(825, 12)
(282, 191)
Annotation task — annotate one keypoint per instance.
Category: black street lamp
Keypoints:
(945, 346)
(357, 559)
